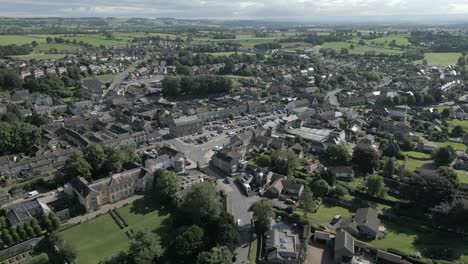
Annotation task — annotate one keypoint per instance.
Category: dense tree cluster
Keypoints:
(196, 85)
(317, 39)
(268, 46)
(22, 232)
(167, 184)
(13, 49)
(9, 79)
(440, 41)
(18, 137)
(98, 162)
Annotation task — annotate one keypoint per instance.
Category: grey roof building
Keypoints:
(185, 125)
(281, 246)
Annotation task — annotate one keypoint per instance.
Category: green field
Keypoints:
(440, 59)
(456, 122)
(19, 39)
(399, 40)
(416, 239)
(101, 237)
(358, 49)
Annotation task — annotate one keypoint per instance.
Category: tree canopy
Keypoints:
(262, 215)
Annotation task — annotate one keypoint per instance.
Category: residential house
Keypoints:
(282, 188)
(281, 246)
(364, 222)
(458, 112)
(343, 173)
(227, 160)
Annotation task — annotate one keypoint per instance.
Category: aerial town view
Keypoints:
(234, 132)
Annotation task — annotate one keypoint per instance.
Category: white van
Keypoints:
(33, 194)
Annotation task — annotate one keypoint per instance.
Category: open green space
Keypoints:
(462, 176)
(101, 237)
(417, 155)
(399, 40)
(412, 239)
(456, 145)
(19, 39)
(96, 239)
(359, 49)
(410, 164)
(442, 59)
(455, 122)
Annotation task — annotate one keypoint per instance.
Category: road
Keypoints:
(238, 205)
(119, 79)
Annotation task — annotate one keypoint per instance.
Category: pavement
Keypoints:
(331, 95)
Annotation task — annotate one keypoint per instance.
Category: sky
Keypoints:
(287, 10)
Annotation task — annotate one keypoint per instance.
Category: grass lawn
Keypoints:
(455, 122)
(411, 164)
(253, 251)
(58, 46)
(326, 213)
(399, 40)
(101, 237)
(17, 39)
(456, 145)
(414, 239)
(416, 154)
(442, 59)
(96, 239)
(462, 176)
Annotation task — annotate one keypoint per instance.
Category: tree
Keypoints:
(392, 150)
(96, 157)
(144, 249)
(457, 131)
(328, 176)
(36, 227)
(339, 154)
(171, 86)
(55, 221)
(375, 186)
(365, 158)
(7, 238)
(217, 255)
(445, 113)
(444, 156)
(34, 44)
(264, 161)
(189, 243)
(427, 189)
(77, 166)
(21, 232)
(320, 188)
(223, 231)
(167, 187)
(389, 168)
(450, 174)
(306, 201)
(454, 215)
(262, 215)
(47, 223)
(201, 203)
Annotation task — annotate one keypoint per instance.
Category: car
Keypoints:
(335, 219)
(278, 218)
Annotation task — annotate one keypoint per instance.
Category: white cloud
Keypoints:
(237, 9)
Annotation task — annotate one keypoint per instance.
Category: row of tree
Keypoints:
(18, 137)
(196, 85)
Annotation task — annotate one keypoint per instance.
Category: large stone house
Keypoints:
(185, 125)
(111, 189)
(364, 223)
